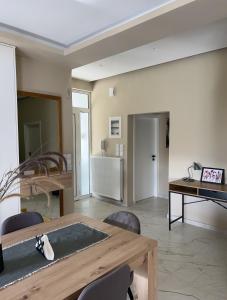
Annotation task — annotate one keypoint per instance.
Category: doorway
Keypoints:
(150, 156)
(145, 157)
(81, 126)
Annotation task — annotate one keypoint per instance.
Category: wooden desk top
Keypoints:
(64, 179)
(200, 185)
(72, 274)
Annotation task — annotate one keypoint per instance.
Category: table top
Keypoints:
(200, 185)
(70, 275)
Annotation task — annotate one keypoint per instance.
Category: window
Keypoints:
(80, 100)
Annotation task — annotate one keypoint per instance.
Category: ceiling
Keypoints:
(77, 33)
(64, 23)
(206, 38)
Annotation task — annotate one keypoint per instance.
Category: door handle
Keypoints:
(153, 157)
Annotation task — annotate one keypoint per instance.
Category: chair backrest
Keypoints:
(21, 221)
(113, 286)
(125, 220)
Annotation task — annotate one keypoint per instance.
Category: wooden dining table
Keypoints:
(67, 278)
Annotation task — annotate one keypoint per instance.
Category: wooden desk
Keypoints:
(64, 179)
(217, 193)
(69, 276)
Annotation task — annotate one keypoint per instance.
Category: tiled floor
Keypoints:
(192, 261)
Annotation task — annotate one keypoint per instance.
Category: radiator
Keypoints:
(107, 177)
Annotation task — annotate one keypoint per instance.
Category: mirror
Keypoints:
(39, 131)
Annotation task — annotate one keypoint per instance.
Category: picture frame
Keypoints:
(213, 175)
(115, 127)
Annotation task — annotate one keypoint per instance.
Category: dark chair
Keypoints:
(112, 286)
(125, 220)
(128, 221)
(21, 221)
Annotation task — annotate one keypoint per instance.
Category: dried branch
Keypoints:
(12, 180)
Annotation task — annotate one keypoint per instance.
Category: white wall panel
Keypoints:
(8, 123)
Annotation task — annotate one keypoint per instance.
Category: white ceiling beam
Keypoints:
(208, 38)
(190, 16)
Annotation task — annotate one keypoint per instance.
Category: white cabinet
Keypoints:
(8, 123)
(107, 177)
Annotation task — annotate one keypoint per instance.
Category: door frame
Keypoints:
(156, 171)
(58, 99)
(75, 115)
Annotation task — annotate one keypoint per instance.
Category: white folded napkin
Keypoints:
(43, 245)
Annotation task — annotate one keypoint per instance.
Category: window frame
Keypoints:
(82, 92)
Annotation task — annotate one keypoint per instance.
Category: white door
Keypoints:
(32, 139)
(81, 118)
(145, 157)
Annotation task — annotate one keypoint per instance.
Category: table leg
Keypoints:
(152, 274)
(182, 208)
(144, 283)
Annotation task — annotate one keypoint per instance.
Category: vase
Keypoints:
(1, 259)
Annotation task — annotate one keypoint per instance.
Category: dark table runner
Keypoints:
(22, 259)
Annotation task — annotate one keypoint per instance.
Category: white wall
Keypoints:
(8, 124)
(194, 91)
(82, 85)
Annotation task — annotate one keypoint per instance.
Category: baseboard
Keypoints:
(108, 200)
(199, 224)
(163, 196)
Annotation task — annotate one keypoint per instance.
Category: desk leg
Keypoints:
(169, 211)
(182, 208)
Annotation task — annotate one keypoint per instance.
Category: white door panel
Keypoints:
(145, 158)
(9, 154)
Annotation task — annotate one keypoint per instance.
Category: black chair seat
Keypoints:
(112, 286)
(21, 221)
